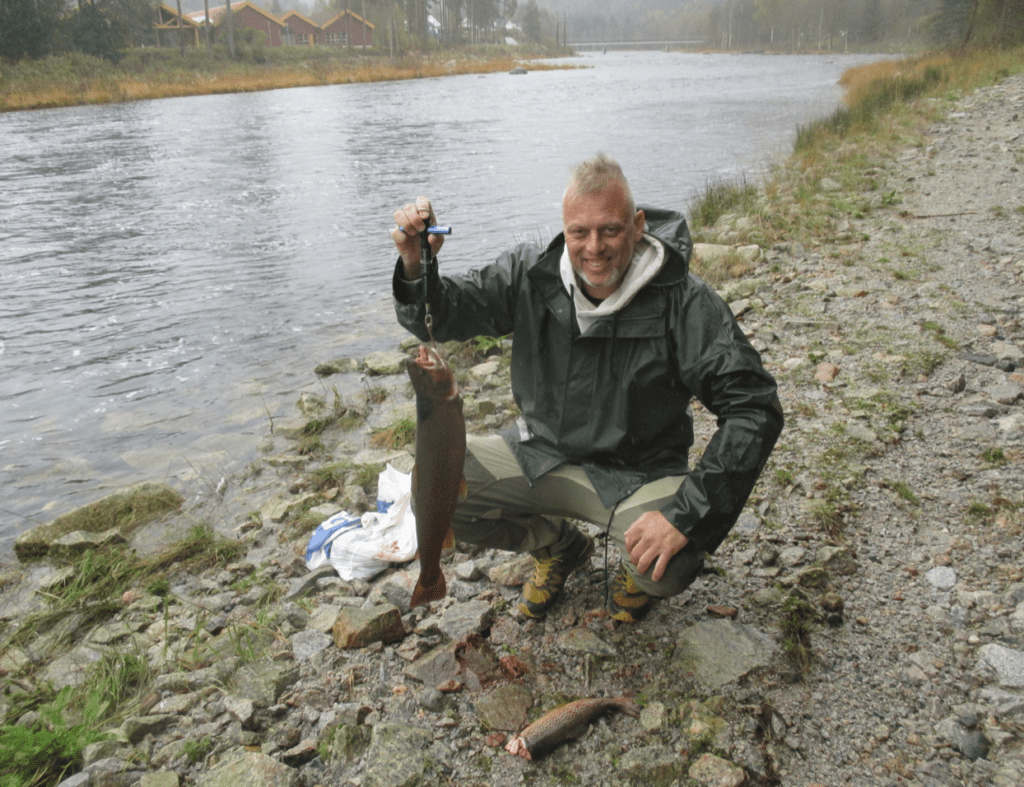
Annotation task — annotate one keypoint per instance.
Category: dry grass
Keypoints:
(859, 80)
(113, 85)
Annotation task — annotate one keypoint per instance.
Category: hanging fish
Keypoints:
(437, 478)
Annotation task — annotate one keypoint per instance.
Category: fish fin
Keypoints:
(449, 539)
(463, 489)
(423, 594)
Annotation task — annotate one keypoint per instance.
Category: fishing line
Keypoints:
(607, 538)
(429, 262)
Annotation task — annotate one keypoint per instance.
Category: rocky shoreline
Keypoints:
(863, 625)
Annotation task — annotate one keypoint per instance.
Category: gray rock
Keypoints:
(386, 362)
(460, 620)
(241, 708)
(837, 560)
(1005, 393)
(306, 644)
(251, 769)
(138, 727)
(941, 577)
(263, 683)
(160, 779)
(504, 708)
(397, 756)
(337, 366)
(307, 582)
(76, 542)
(431, 699)
(653, 765)
(721, 651)
(974, 745)
(713, 771)
(579, 640)
(1007, 663)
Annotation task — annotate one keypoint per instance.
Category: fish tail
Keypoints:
(423, 594)
(628, 707)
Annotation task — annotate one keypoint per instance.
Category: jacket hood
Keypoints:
(670, 228)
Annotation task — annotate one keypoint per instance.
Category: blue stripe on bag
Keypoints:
(324, 534)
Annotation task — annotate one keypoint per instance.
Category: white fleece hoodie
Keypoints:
(648, 257)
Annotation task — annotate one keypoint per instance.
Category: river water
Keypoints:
(171, 271)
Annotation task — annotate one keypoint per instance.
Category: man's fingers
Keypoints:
(407, 219)
(659, 568)
(423, 205)
(413, 218)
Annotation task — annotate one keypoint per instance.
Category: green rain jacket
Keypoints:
(616, 400)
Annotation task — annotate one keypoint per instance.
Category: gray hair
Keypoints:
(597, 174)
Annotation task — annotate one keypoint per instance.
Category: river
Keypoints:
(173, 270)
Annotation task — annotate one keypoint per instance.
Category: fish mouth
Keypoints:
(429, 359)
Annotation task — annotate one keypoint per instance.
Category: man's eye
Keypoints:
(611, 232)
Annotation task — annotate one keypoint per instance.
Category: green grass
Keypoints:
(719, 198)
(401, 433)
(798, 622)
(41, 754)
(904, 491)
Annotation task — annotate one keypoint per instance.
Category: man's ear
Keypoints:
(638, 224)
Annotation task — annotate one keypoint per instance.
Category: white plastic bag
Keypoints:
(362, 547)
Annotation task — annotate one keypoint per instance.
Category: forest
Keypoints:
(792, 25)
(37, 28)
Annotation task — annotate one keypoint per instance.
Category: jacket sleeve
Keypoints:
(479, 303)
(722, 369)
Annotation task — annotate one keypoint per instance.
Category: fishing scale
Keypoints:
(429, 262)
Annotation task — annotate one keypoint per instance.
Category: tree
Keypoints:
(416, 19)
(952, 22)
(531, 22)
(27, 27)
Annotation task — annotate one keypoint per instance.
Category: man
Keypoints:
(612, 338)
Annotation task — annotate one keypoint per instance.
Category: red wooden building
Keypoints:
(246, 15)
(345, 29)
(348, 29)
(302, 31)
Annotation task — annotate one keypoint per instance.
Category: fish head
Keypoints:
(431, 376)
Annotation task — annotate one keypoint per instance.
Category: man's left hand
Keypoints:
(653, 540)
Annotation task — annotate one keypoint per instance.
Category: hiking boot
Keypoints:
(550, 573)
(628, 603)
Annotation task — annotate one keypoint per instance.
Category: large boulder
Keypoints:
(124, 511)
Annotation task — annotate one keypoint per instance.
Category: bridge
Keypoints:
(604, 46)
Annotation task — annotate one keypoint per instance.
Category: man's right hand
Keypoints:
(411, 220)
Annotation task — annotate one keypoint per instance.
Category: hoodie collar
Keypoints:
(648, 259)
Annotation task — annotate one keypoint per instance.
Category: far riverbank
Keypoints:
(73, 79)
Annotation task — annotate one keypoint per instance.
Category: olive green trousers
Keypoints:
(503, 511)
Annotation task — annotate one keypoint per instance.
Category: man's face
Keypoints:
(600, 236)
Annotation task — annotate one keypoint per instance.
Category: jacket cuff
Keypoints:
(406, 291)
